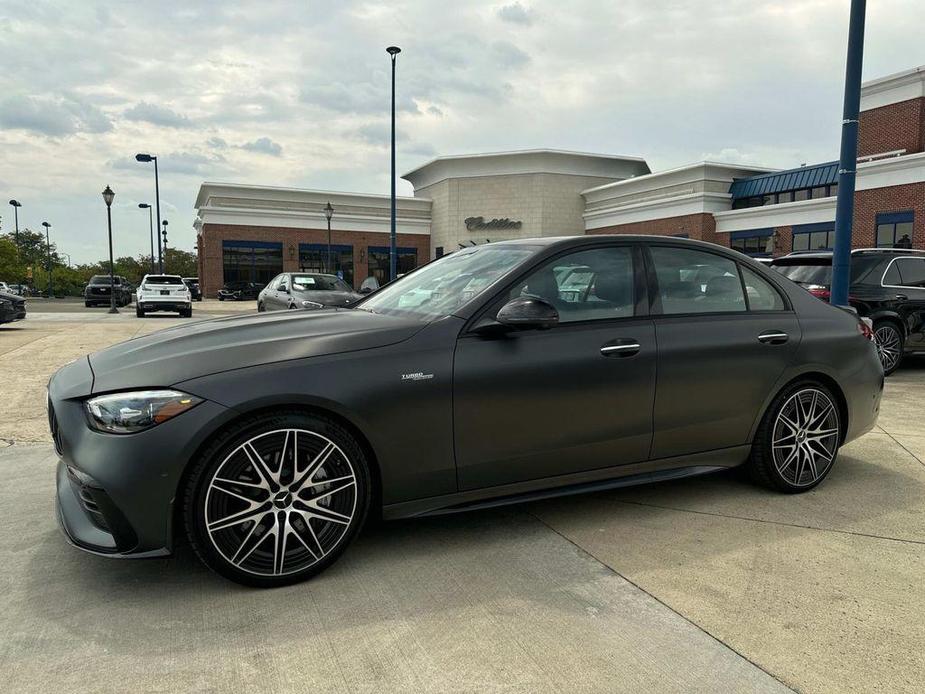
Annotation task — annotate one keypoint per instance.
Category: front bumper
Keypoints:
(116, 493)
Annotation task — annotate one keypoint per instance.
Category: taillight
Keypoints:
(866, 329)
(819, 291)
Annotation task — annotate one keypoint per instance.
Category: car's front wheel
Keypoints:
(890, 345)
(798, 438)
(277, 499)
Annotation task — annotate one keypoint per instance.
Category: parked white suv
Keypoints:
(163, 293)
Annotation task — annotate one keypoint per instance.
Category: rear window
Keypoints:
(163, 279)
(819, 270)
(104, 279)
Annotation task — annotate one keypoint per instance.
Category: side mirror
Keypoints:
(528, 312)
(284, 288)
(366, 290)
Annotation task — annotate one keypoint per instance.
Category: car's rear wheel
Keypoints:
(798, 439)
(890, 345)
(88, 304)
(139, 312)
(277, 499)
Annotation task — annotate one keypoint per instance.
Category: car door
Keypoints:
(725, 335)
(538, 403)
(906, 277)
(273, 298)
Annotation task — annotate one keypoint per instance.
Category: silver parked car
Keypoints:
(306, 290)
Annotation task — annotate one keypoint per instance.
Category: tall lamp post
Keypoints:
(393, 51)
(328, 213)
(848, 157)
(16, 205)
(108, 196)
(48, 256)
(146, 206)
(157, 201)
(164, 256)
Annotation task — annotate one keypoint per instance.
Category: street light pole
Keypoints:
(848, 159)
(164, 254)
(108, 196)
(48, 256)
(328, 213)
(393, 51)
(157, 202)
(146, 206)
(16, 205)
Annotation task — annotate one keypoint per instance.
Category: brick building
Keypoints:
(252, 232)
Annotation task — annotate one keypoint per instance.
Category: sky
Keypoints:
(297, 93)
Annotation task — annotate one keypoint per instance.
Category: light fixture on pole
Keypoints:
(108, 196)
(157, 201)
(164, 254)
(393, 51)
(16, 205)
(146, 206)
(328, 213)
(48, 256)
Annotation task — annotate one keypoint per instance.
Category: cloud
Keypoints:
(55, 116)
(264, 145)
(380, 133)
(155, 114)
(216, 143)
(515, 13)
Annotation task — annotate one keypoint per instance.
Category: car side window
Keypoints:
(593, 284)
(692, 281)
(762, 296)
(891, 276)
(911, 271)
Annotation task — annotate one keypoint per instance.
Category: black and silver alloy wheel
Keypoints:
(889, 346)
(798, 439)
(281, 502)
(806, 437)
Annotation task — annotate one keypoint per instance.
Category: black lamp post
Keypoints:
(108, 196)
(16, 205)
(146, 206)
(393, 51)
(164, 256)
(157, 201)
(48, 256)
(328, 213)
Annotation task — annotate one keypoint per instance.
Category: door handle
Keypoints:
(902, 297)
(621, 348)
(773, 337)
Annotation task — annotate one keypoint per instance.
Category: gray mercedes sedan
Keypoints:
(476, 380)
(308, 290)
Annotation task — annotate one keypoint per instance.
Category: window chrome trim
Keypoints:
(890, 264)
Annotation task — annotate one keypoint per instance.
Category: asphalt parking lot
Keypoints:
(707, 584)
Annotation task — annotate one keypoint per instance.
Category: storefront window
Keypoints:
(894, 230)
(251, 261)
(406, 261)
(313, 257)
(814, 237)
(754, 243)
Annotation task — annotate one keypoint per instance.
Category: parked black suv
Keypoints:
(239, 291)
(97, 291)
(195, 290)
(887, 286)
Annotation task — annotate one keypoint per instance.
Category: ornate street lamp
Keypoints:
(108, 196)
(144, 158)
(48, 256)
(16, 205)
(328, 213)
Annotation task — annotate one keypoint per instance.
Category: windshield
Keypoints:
(163, 279)
(438, 288)
(318, 283)
(104, 279)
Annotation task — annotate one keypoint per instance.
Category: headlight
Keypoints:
(127, 413)
(312, 304)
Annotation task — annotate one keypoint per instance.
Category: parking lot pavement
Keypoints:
(706, 584)
(477, 602)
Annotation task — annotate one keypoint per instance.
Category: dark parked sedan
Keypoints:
(267, 439)
(308, 290)
(239, 291)
(13, 307)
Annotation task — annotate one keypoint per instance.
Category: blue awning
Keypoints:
(781, 181)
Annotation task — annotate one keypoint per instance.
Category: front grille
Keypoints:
(53, 427)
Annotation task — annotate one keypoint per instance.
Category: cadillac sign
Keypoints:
(479, 224)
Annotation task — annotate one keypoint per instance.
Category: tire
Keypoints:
(260, 307)
(139, 313)
(221, 298)
(890, 345)
(798, 462)
(88, 304)
(317, 521)
(186, 313)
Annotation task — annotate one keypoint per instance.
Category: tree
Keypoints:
(183, 263)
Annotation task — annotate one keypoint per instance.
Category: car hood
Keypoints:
(328, 298)
(15, 298)
(190, 351)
